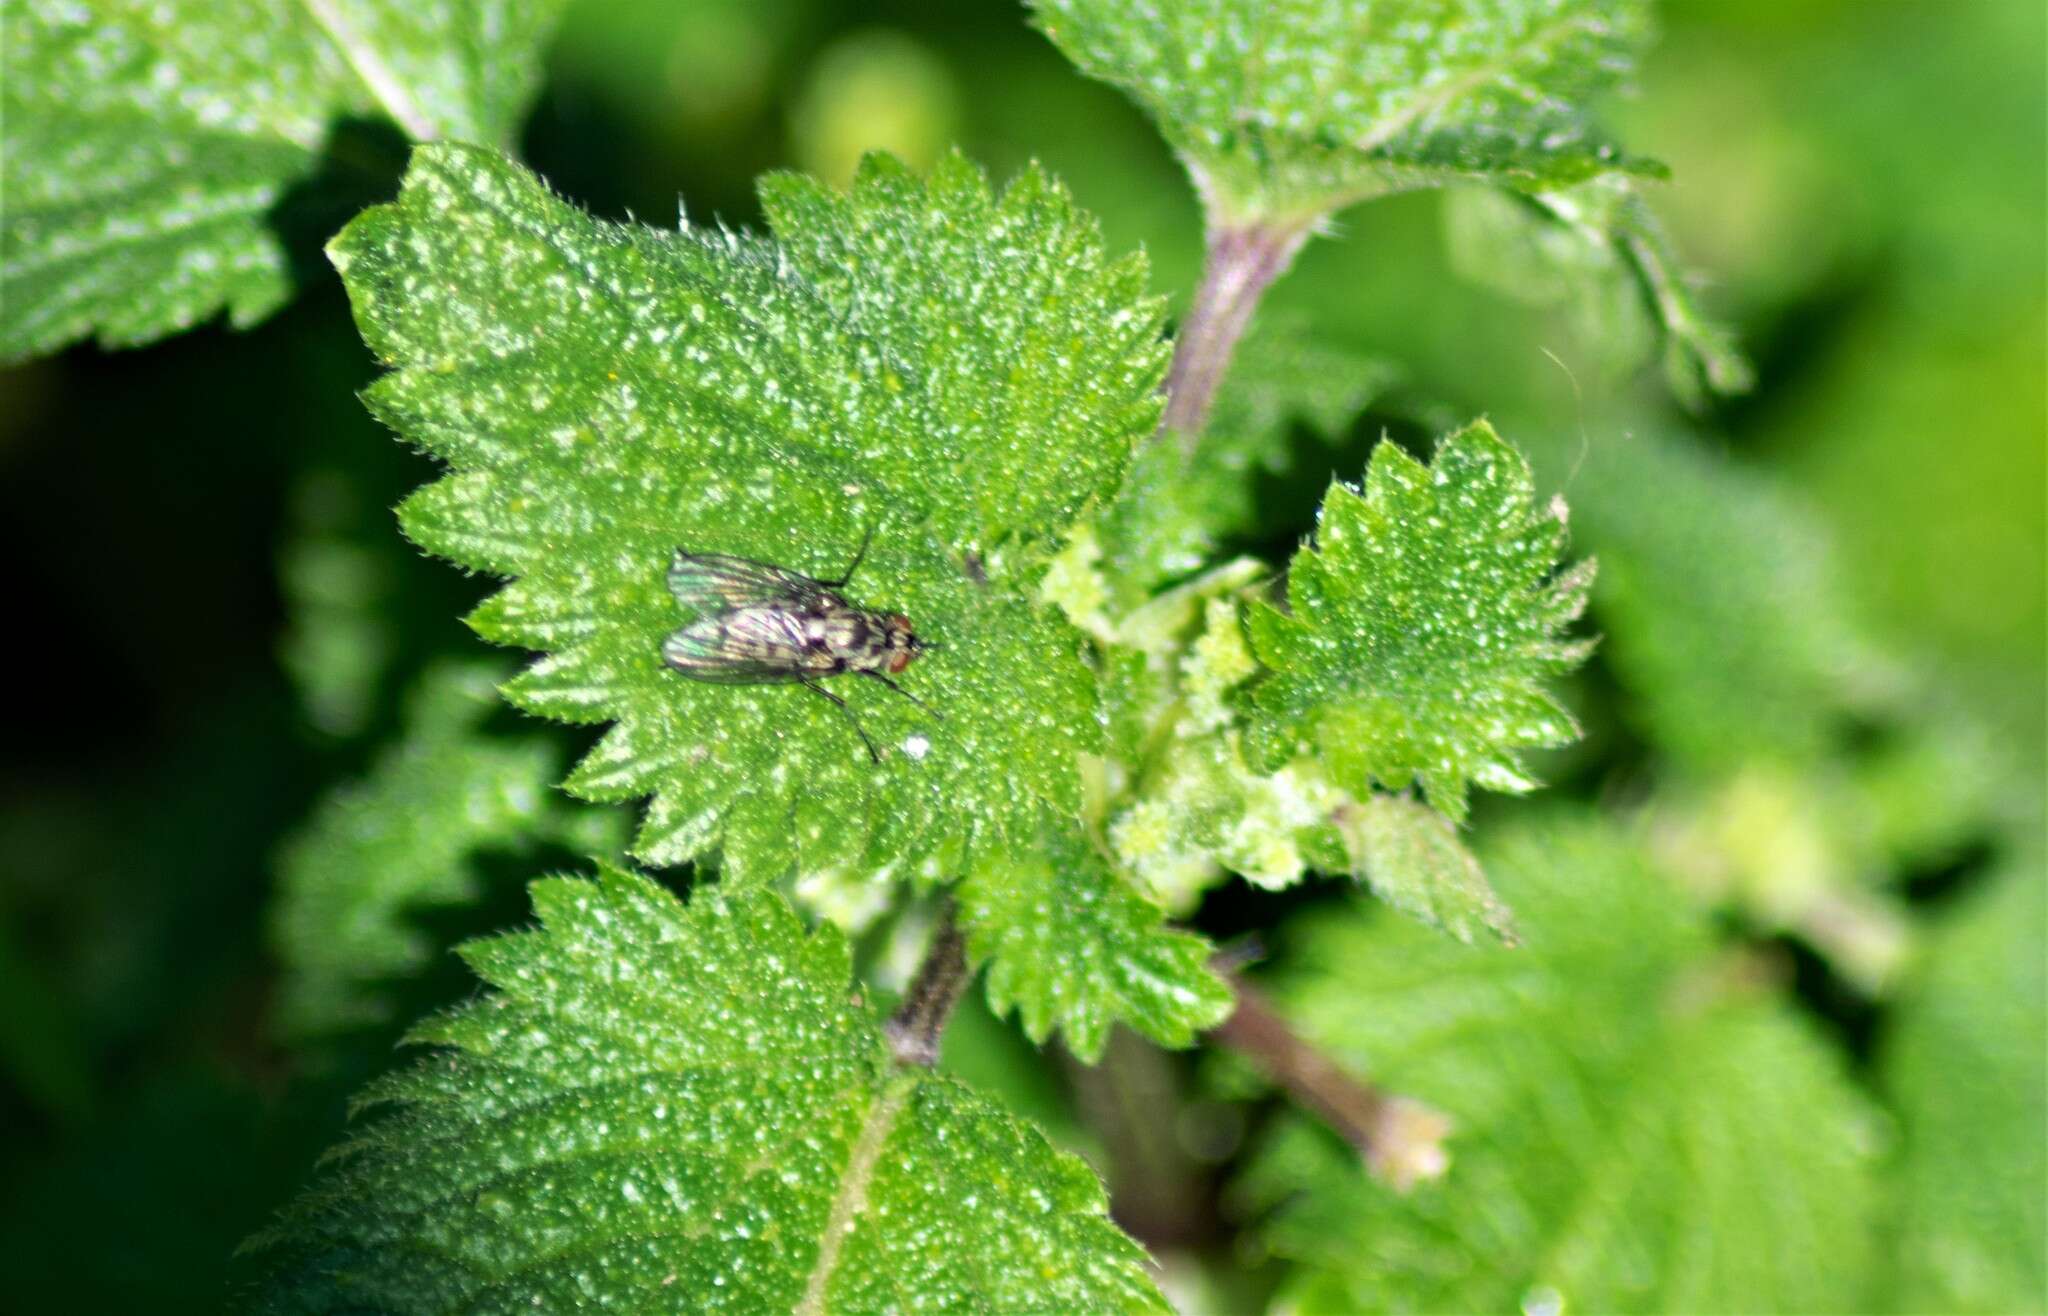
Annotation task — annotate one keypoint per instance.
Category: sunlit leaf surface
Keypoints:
(954, 369)
(1069, 943)
(670, 1109)
(163, 161)
(1421, 626)
(1286, 108)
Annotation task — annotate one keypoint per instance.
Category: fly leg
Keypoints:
(854, 565)
(901, 691)
(840, 704)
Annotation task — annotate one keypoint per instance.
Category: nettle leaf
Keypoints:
(1282, 111)
(1191, 805)
(163, 161)
(1039, 357)
(1421, 626)
(1069, 943)
(947, 367)
(1963, 1066)
(1598, 249)
(1411, 857)
(403, 840)
(688, 1109)
(1639, 1124)
(1177, 507)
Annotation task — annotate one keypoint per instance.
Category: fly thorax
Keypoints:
(846, 634)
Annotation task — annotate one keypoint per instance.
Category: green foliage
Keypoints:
(1283, 111)
(338, 641)
(1743, 662)
(1282, 374)
(1728, 623)
(960, 370)
(402, 840)
(337, 589)
(1966, 1066)
(1411, 857)
(1070, 944)
(665, 1108)
(1188, 808)
(1639, 1125)
(1421, 626)
(692, 1108)
(1815, 847)
(1795, 850)
(1201, 811)
(1176, 509)
(162, 162)
(1599, 249)
(1212, 782)
(1188, 804)
(1036, 357)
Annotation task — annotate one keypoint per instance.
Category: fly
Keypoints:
(760, 624)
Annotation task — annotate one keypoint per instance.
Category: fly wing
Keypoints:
(709, 583)
(715, 650)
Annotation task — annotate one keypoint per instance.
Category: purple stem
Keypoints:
(914, 1031)
(1240, 265)
(1400, 1138)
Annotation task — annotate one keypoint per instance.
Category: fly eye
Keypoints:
(899, 622)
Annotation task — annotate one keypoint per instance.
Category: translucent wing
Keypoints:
(705, 659)
(741, 646)
(718, 582)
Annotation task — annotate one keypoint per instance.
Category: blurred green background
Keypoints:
(216, 615)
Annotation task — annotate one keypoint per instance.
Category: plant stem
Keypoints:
(1241, 263)
(1400, 1138)
(918, 1024)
